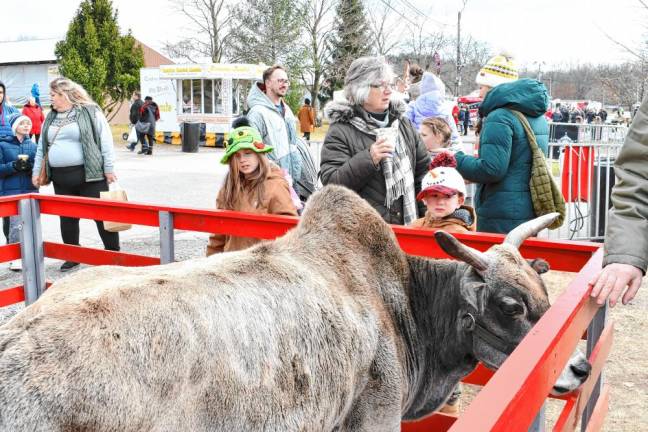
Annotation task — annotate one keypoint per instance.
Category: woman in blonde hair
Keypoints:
(77, 149)
(254, 184)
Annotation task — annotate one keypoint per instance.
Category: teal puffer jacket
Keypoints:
(503, 168)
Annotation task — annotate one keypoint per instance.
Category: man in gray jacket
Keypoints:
(272, 117)
(626, 239)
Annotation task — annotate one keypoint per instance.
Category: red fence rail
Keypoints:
(511, 397)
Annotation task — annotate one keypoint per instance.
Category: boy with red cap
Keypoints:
(443, 191)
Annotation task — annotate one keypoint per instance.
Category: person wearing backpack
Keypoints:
(503, 198)
(149, 114)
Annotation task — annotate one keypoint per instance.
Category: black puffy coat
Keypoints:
(346, 159)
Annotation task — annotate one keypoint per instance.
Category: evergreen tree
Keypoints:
(95, 55)
(351, 40)
(268, 31)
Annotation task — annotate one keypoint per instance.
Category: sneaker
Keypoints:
(142, 151)
(15, 265)
(68, 265)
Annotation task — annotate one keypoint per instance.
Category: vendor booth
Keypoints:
(210, 95)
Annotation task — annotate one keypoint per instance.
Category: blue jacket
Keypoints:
(6, 110)
(431, 103)
(13, 182)
(503, 168)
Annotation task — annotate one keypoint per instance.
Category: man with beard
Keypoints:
(272, 117)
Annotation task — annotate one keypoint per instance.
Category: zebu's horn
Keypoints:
(453, 247)
(529, 229)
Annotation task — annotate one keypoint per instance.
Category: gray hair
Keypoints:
(363, 72)
(72, 91)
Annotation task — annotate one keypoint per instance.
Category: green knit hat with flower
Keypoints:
(242, 138)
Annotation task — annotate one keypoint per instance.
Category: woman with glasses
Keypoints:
(371, 147)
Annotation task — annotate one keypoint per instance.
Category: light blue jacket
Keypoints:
(277, 130)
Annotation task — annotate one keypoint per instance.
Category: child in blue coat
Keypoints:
(17, 155)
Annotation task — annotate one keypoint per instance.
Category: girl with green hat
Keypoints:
(254, 184)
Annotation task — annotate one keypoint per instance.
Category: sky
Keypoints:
(544, 33)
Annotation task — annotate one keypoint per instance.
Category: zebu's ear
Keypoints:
(529, 229)
(450, 245)
(539, 265)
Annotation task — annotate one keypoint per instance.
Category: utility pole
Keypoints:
(458, 76)
(459, 65)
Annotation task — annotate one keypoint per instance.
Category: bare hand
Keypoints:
(35, 182)
(111, 177)
(611, 282)
(380, 150)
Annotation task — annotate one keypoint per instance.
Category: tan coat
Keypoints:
(276, 201)
(626, 237)
(306, 116)
(447, 224)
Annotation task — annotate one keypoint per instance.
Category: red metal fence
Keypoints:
(510, 398)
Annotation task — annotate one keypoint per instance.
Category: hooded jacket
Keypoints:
(626, 238)
(13, 182)
(276, 200)
(346, 159)
(431, 103)
(503, 168)
(6, 110)
(277, 130)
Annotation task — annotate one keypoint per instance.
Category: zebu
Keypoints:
(328, 328)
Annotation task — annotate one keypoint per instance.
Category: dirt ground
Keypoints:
(626, 370)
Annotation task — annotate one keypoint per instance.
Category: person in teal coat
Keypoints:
(503, 167)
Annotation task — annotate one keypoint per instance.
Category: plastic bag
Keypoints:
(132, 136)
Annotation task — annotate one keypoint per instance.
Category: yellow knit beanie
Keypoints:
(499, 70)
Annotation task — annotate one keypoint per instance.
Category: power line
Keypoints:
(421, 14)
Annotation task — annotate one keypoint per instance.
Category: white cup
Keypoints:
(390, 134)
(23, 157)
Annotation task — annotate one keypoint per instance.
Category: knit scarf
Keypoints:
(399, 181)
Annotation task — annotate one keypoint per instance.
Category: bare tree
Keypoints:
(317, 24)
(421, 45)
(210, 20)
(385, 27)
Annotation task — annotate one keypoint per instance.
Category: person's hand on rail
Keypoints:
(613, 280)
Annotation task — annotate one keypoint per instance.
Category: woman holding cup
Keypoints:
(371, 147)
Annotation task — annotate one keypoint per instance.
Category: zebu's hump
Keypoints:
(338, 211)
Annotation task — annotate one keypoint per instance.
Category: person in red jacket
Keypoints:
(35, 114)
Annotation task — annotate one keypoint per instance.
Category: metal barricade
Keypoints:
(581, 158)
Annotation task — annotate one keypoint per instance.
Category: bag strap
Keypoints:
(533, 142)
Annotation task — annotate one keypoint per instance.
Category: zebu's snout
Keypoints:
(576, 372)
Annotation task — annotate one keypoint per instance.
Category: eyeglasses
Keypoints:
(283, 81)
(383, 85)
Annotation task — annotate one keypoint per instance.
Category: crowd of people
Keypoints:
(393, 141)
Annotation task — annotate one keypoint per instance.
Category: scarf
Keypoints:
(399, 178)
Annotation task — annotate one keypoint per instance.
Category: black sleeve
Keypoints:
(340, 166)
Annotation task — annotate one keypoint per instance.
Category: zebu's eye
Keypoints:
(511, 307)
